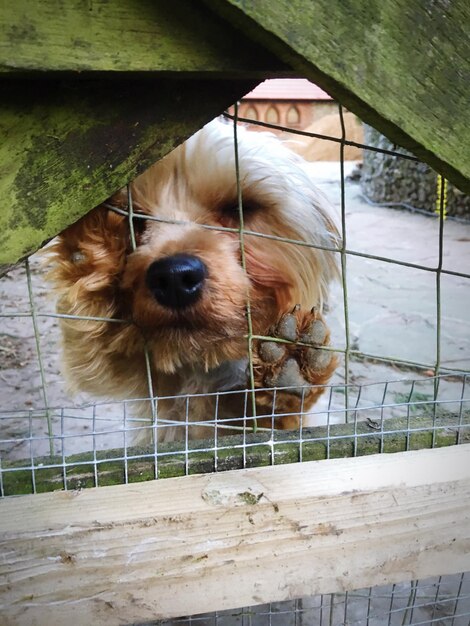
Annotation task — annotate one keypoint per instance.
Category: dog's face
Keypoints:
(186, 277)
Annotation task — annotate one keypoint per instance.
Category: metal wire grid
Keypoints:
(443, 601)
(91, 448)
(353, 409)
(48, 450)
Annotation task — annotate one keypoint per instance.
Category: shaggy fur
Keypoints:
(203, 348)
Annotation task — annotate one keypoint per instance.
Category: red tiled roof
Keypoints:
(287, 89)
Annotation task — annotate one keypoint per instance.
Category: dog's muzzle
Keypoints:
(176, 281)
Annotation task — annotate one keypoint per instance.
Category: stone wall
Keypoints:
(386, 178)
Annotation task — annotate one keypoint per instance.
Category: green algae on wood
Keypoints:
(80, 471)
(67, 146)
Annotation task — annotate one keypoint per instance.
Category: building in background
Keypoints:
(300, 105)
(292, 102)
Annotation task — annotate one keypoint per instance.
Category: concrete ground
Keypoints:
(392, 309)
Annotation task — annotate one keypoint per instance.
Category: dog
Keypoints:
(222, 295)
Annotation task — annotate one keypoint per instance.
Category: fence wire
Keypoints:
(443, 601)
(48, 442)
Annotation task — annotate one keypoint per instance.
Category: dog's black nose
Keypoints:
(176, 281)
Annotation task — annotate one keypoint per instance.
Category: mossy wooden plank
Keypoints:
(404, 67)
(66, 146)
(125, 36)
(234, 452)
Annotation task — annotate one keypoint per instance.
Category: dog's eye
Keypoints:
(139, 224)
(230, 212)
(139, 220)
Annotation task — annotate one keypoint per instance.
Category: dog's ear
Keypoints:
(89, 255)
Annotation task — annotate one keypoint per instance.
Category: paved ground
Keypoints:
(392, 309)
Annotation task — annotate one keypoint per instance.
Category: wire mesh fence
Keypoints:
(94, 445)
(406, 392)
(442, 600)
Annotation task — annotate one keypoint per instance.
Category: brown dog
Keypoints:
(180, 286)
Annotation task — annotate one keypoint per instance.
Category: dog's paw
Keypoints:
(300, 362)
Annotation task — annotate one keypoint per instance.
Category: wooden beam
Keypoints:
(126, 36)
(403, 67)
(67, 146)
(182, 546)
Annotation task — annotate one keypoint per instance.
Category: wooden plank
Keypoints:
(233, 452)
(116, 555)
(404, 67)
(126, 36)
(67, 146)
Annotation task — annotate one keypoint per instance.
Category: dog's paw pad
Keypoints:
(271, 351)
(289, 376)
(300, 359)
(318, 359)
(316, 333)
(287, 327)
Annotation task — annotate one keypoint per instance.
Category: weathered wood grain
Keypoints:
(126, 36)
(181, 546)
(404, 67)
